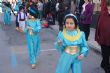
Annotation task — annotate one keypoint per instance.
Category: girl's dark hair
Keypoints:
(75, 20)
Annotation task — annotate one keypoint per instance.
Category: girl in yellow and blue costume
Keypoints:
(72, 44)
(32, 35)
(7, 12)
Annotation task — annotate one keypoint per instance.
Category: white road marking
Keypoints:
(48, 50)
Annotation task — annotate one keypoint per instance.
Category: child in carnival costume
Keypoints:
(7, 12)
(17, 7)
(32, 31)
(22, 18)
(72, 44)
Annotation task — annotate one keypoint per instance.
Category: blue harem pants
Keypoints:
(68, 62)
(33, 48)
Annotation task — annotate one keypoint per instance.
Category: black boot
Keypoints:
(106, 68)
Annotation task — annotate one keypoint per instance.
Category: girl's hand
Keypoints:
(80, 57)
(59, 42)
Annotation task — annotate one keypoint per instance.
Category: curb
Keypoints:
(94, 48)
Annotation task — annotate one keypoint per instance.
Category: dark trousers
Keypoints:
(17, 24)
(60, 21)
(86, 29)
(105, 58)
(60, 26)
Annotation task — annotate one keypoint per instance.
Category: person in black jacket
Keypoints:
(61, 13)
(80, 5)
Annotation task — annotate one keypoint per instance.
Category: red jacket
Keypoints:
(102, 35)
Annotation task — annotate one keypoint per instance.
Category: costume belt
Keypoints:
(72, 50)
(21, 19)
(30, 32)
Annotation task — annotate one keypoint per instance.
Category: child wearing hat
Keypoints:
(32, 31)
(72, 44)
(21, 18)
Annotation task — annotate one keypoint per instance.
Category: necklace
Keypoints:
(71, 38)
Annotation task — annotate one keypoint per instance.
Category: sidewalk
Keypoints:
(91, 42)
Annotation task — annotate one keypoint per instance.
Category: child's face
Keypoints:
(22, 10)
(30, 16)
(70, 24)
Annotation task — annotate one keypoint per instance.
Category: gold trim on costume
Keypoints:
(30, 32)
(72, 50)
(71, 38)
(6, 9)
